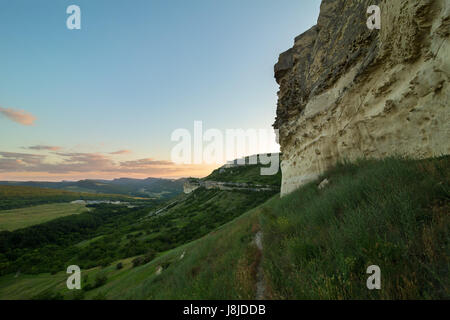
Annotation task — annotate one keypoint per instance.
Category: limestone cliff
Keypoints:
(348, 92)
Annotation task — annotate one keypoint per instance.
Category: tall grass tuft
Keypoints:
(393, 213)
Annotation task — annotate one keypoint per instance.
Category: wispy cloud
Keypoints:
(12, 161)
(19, 116)
(121, 152)
(47, 148)
(144, 163)
(90, 165)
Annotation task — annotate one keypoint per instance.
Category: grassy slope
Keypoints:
(220, 265)
(244, 174)
(317, 244)
(151, 187)
(21, 218)
(394, 214)
(52, 246)
(204, 210)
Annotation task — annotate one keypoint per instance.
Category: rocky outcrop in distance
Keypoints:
(191, 186)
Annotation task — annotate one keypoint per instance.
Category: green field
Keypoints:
(14, 197)
(219, 265)
(108, 233)
(24, 217)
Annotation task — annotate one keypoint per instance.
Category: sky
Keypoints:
(103, 101)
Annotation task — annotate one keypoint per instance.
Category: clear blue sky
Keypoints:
(138, 69)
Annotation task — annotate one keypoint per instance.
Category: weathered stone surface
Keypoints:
(323, 184)
(191, 186)
(348, 92)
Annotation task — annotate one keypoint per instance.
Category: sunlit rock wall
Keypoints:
(348, 92)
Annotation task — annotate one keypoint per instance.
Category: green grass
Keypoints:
(25, 287)
(21, 218)
(220, 265)
(108, 233)
(390, 213)
(86, 243)
(317, 245)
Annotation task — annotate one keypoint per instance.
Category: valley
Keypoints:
(108, 232)
(203, 247)
(14, 219)
(146, 188)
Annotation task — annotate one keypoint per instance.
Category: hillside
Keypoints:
(109, 232)
(390, 213)
(14, 219)
(150, 187)
(12, 197)
(359, 207)
(237, 177)
(250, 174)
(316, 244)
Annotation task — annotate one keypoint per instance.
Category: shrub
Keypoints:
(88, 287)
(54, 271)
(105, 262)
(48, 295)
(149, 256)
(100, 280)
(137, 261)
(100, 296)
(78, 295)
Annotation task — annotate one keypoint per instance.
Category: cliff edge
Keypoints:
(348, 92)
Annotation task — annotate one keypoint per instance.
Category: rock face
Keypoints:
(347, 92)
(191, 186)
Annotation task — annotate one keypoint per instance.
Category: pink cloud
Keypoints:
(19, 116)
(121, 152)
(145, 163)
(49, 148)
(17, 166)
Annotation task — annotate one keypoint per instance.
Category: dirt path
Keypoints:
(260, 284)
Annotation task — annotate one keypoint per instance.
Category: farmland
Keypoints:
(25, 217)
